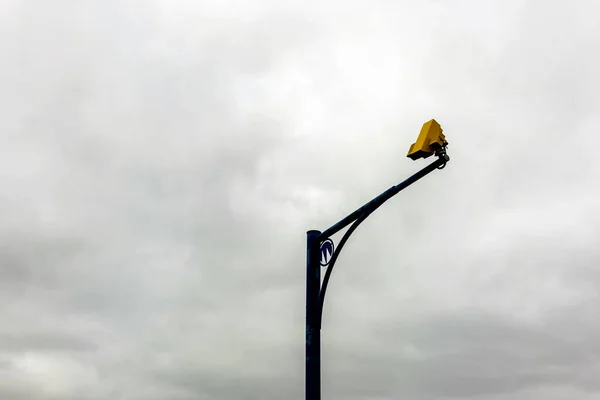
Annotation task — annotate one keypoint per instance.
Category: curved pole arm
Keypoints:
(385, 196)
(358, 216)
(336, 253)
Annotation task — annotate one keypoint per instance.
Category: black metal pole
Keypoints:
(315, 294)
(313, 329)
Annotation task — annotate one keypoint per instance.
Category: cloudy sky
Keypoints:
(161, 161)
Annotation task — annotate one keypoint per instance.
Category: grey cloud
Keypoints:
(28, 342)
(160, 163)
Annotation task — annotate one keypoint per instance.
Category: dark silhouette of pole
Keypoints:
(315, 294)
(313, 330)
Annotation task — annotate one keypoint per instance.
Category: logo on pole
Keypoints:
(326, 252)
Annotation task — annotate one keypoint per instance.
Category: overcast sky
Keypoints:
(161, 161)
